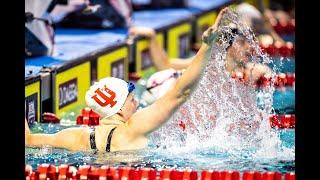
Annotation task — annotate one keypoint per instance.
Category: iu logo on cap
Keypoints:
(108, 98)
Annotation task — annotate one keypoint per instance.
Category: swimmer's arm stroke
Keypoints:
(152, 117)
(145, 121)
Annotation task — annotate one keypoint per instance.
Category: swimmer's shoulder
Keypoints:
(124, 139)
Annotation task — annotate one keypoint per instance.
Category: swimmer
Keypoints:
(122, 127)
(238, 60)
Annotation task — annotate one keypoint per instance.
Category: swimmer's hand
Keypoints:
(210, 35)
(142, 31)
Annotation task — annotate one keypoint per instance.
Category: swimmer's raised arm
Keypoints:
(152, 117)
(159, 56)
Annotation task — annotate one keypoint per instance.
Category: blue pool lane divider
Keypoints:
(64, 172)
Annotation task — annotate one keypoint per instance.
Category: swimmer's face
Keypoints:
(129, 107)
(240, 49)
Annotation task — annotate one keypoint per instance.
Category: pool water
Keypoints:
(158, 158)
(283, 65)
(284, 101)
(274, 152)
(198, 159)
(288, 37)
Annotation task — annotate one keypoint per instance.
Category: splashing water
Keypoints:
(221, 112)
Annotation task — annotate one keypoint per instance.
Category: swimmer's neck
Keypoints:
(115, 118)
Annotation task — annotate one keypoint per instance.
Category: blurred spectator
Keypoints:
(61, 11)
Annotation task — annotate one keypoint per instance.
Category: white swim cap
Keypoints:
(107, 96)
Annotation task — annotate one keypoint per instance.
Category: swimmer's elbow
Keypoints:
(178, 95)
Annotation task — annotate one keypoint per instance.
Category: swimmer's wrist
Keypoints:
(212, 38)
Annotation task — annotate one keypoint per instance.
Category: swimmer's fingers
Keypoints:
(220, 16)
(217, 22)
(210, 35)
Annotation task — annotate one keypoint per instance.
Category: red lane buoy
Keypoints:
(47, 171)
(88, 117)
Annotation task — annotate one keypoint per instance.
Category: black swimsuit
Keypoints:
(93, 140)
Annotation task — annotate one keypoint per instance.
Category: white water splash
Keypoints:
(222, 112)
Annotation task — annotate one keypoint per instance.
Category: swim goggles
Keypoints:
(131, 87)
